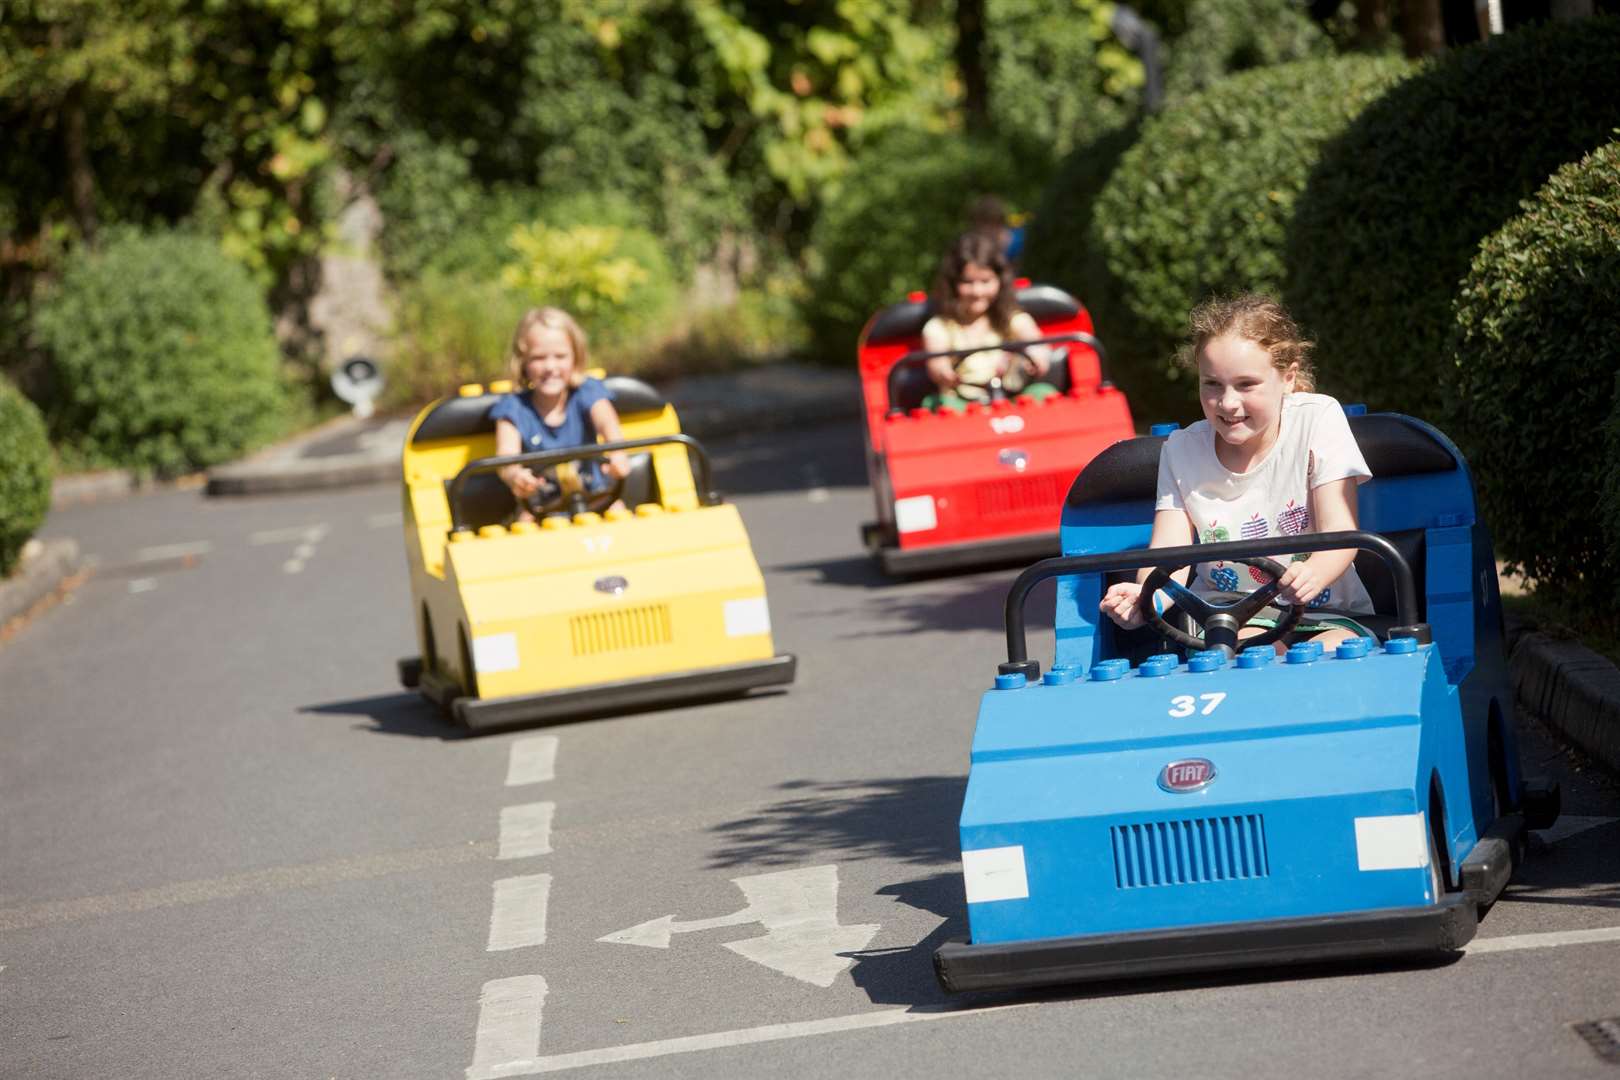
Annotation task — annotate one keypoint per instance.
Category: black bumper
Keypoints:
(629, 694)
(1431, 930)
(1010, 549)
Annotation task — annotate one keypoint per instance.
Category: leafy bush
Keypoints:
(1225, 37)
(427, 198)
(1398, 205)
(1610, 505)
(25, 473)
(163, 355)
(883, 232)
(1533, 353)
(1200, 204)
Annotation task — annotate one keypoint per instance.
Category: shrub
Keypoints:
(881, 235)
(1610, 505)
(163, 355)
(1225, 37)
(1397, 206)
(427, 199)
(1533, 353)
(25, 473)
(1200, 204)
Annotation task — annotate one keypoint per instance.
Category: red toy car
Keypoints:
(986, 485)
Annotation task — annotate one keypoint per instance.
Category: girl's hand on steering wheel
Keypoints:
(1301, 583)
(1122, 603)
(942, 369)
(1037, 364)
(522, 481)
(617, 465)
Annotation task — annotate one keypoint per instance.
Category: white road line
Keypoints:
(311, 533)
(292, 566)
(533, 760)
(173, 551)
(526, 830)
(508, 1040)
(383, 521)
(1551, 939)
(817, 495)
(142, 584)
(518, 919)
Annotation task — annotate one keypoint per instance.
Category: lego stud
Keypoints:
(501, 386)
(489, 531)
(518, 527)
(616, 513)
(1109, 670)
(1401, 645)
(554, 523)
(1207, 660)
(1012, 681)
(1256, 656)
(471, 389)
(1354, 649)
(1059, 676)
(1301, 654)
(1155, 666)
(648, 510)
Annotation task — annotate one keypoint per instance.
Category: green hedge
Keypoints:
(1201, 204)
(1399, 204)
(162, 353)
(893, 215)
(1055, 248)
(25, 473)
(1534, 355)
(1610, 505)
(1225, 37)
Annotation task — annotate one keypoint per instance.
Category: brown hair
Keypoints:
(1253, 317)
(555, 319)
(984, 249)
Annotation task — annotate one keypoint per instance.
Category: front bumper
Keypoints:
(629, 694)
(1430, 930)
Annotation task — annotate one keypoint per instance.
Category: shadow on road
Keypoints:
(400, 713)
(830, 455)
(906, 976)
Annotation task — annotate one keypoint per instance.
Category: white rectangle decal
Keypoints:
(915, 514)
(1395, 842)
(995, 874)
(495, 652)
(744, 617)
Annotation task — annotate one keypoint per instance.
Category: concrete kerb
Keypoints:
(1571, 689)
(43, 568)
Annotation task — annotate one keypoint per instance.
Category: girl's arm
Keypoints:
(1333, 508)
(1025, 328)
(606, 419)
(942, 369)
(1171, 528)
(508, 442)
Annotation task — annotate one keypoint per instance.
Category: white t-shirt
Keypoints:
(1314, 447)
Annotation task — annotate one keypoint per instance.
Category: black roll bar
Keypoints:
(919, 357)
(1406, 606)
(694, 451)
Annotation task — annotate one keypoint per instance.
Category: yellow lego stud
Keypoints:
(501, 386)
(648, 510)
(471, 389)
(518, 527)
(489, 531)
(458, 537)
(554, 523)
(587, 518)
(616, 513)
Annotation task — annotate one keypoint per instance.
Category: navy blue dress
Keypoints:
(576, 428)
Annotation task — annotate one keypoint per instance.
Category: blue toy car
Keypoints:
(1133, 812)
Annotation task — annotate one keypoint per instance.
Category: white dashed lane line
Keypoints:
(166, 552)
(508, 1039)
(526, 830)
(518, 919)
(533, 760)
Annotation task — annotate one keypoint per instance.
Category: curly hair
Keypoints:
(1253, 317)
(986, 251)
(555, 319)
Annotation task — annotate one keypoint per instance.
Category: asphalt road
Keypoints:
(231, 846)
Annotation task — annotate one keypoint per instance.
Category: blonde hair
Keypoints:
(555, 319)
(1253, 317)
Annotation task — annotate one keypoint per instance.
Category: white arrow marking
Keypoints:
(532, 761)
(526, 830)
(518, 918)
(799, 910)
(508, 1039)
(1568, 825)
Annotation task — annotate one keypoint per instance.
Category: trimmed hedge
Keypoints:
(895, 212)
(163, 355)
(1055, 248)
(1201, 203)
(25, 473)
(1397, 206)
(1225, 37)
(1534, 352)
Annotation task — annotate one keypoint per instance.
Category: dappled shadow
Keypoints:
(912, 819)
(401, 713)
(829, 455)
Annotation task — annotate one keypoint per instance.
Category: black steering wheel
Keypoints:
(554, 496)
(1220, 622)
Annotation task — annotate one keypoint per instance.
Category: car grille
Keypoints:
(1190, 852)
(1020, 495)
(625, 628)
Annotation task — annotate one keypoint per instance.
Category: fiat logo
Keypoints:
(613, 586)
(1188, 774)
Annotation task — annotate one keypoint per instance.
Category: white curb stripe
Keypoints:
(1551, 939)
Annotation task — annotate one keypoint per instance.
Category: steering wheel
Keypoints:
(1221, 622)
(567, 493)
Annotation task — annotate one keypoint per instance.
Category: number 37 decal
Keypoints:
(1186, 704)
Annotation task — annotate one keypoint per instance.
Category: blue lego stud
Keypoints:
(1355, 410)
(1013, 681)
(1400, 645)
(1059, 675)
(1162, 429)
(1354, 649)
(1256, 656)
(1303, 653)
(1207, 660)
(1109, 670)
(1157, 665)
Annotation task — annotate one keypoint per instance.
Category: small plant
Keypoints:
(25, 473)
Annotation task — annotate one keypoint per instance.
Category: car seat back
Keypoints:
(1420, 497)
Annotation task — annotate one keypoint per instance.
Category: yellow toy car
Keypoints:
(593, 608)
